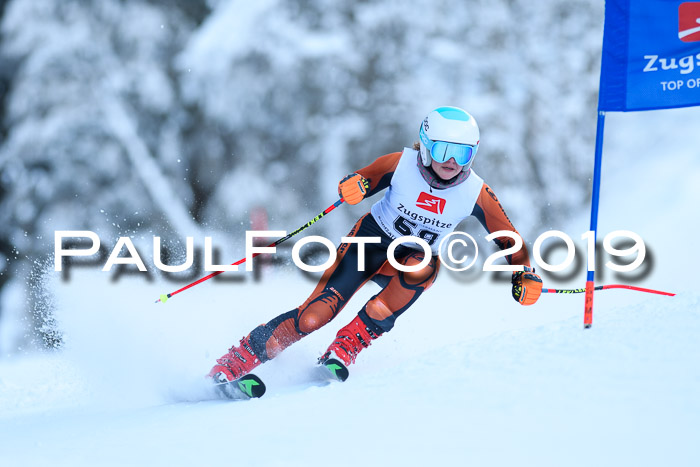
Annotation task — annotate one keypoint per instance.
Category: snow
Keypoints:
(500, 386)
(482, 381)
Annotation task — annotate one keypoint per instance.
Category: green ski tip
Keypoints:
(163, 298)
(334, 368)
(247, 386)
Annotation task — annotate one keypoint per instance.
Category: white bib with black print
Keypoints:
(411, 207)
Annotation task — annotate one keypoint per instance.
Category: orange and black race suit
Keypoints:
(399, 289)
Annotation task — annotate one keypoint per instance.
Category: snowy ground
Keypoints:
(467, 377)
(622, 393)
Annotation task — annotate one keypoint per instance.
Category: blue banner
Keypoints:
(651, 55)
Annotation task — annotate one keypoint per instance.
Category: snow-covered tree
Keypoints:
(313, 90)
(141, 117)
(93, 123)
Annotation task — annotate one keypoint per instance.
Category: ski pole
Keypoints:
(164, 298)
(611, 286)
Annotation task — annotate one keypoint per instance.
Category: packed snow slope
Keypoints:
(468, 377)
(622, 393)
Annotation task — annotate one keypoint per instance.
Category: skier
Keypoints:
(431, 188)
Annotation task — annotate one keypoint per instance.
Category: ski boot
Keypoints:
(348, 343)
(231, 374)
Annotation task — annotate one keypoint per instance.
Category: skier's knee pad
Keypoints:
(318, 310)
(424, 275)
(314, 317)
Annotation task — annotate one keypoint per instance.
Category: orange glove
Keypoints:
(353, 188)
(527, 286)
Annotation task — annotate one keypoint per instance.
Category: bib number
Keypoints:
(408, 228)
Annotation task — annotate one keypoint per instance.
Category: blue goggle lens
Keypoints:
(443, 152)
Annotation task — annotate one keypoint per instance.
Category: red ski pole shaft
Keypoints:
(163, 298)
(606, 287)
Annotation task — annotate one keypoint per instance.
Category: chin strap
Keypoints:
(436, 182)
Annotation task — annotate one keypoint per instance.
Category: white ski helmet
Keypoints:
(449, 132)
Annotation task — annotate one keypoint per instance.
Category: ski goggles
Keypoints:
(442, 151)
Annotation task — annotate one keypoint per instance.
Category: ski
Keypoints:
(251, 386)
(334, 369)
(246, 387)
